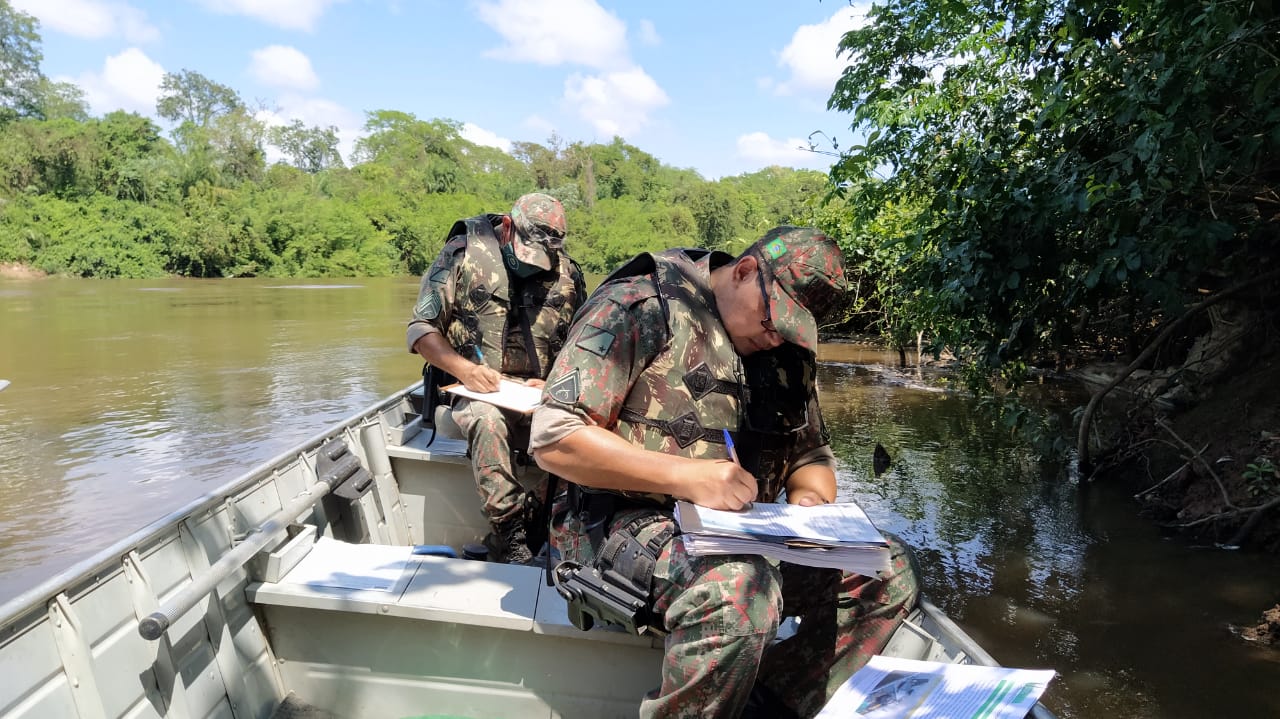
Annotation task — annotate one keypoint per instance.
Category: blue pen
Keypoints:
(733, 455)
(728, 442)
(479, 355)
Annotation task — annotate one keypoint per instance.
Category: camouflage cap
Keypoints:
(804, 275)
(540, 225)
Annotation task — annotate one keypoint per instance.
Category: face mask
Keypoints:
(514, 264)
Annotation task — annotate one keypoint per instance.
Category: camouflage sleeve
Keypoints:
(615, 335)
(436, 294)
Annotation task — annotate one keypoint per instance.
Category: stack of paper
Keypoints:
(894, 688)
(837, 536)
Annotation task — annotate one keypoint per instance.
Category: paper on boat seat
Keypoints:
(896, 688)
(353, 566)
(511, 395)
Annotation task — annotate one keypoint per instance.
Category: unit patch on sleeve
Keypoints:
(429, 307)
(565, 389)
(596, 341)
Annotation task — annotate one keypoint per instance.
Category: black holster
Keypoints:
(618, 589)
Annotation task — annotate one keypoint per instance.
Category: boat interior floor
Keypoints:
(294, 708)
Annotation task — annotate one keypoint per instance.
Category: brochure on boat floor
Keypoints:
(895, 688)
(511, 395)
(836, 536)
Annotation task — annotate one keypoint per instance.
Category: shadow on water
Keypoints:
(131, 398)
(1043, 573)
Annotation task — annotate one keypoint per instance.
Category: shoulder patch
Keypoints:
(438, 275)
(565, 390)
(596, 341)
(429, 307)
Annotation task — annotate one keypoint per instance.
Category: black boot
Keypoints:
(508, 542)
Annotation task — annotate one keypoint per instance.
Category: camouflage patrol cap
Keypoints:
(540, 225)
(803, 273)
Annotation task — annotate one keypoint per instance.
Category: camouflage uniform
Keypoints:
(648, 358)
(474, 294)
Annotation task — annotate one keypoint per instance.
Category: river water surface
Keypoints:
(131, 398)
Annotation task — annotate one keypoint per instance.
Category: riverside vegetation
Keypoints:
(1049, 187)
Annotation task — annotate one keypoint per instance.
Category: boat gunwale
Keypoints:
(110, 557)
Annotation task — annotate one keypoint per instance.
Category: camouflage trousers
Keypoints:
(723, 612)
(492, 433)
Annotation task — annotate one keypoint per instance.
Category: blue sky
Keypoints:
(720, 87)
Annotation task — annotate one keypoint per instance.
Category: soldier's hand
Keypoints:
(480, 378)
(721, 484)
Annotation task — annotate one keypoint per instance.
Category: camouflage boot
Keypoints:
(508, 542)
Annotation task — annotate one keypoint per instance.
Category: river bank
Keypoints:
(19, 271)
(1210, 471)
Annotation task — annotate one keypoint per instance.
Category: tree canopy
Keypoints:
(222, 194)
(1047, 176)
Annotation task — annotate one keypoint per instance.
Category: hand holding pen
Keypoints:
(733, 456)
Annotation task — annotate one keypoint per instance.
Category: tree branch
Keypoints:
(1082, 437)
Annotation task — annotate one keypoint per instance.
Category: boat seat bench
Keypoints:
(375, 630)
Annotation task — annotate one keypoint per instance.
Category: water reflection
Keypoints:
(1041, 572)
(131, 398)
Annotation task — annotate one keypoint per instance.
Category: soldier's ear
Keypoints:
(745, 268)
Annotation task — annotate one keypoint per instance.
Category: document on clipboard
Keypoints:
(836, 536)
(511, 395)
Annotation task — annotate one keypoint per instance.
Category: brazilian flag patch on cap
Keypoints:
(776, 248)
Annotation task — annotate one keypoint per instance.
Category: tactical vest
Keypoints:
(493, 303)
(699, 386)
(784, 382)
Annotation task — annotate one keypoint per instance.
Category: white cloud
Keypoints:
(760, 147)
(615, 103)
(128, 81)
(283, 66)
(287, 14)
(538, 126)
(811, 59)
(648, 33)
(554, 32)
(480, 136)
(91, 18)
(315, 112)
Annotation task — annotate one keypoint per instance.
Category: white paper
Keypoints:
(511, 395)
(835, 536)
(843, 522)
(331, 563)
(894, 688)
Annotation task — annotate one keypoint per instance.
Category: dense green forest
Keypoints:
(117, 196)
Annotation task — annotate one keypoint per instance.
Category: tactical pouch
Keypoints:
(617, 589)
(433, 378)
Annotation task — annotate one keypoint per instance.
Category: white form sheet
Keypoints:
(824, 523)
(894, 688)
(511, 395)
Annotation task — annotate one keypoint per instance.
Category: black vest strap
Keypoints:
(685, 429)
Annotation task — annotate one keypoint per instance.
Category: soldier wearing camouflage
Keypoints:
(501, 293)
(665, 358)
